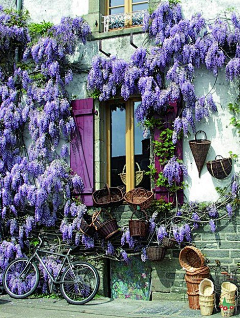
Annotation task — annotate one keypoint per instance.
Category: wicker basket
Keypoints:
(86, 226)
(220, 168)
(156, 253)
(168, 242)
(105, 229)
(193, 300)
(107, 196)
(139, 227)
(139, 174)
(228, 289)
(199, 148)
(206, 288)
(206, 304)
(191, 258)
(199, 272)
(139, 197)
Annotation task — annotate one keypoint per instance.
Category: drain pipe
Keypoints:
(19, 9)
(19, 5)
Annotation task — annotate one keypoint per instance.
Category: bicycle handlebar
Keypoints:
(68, 247)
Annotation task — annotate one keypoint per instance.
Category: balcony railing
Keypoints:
(122, 20)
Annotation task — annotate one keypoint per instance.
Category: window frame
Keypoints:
(129, 138)
(127, 6)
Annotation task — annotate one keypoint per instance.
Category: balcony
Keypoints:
(123, 20)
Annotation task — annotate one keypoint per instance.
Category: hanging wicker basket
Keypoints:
(138, 227)
(156, 253)
(139, 197)
(139, 174)
(105, 229)
(168, 242)
(191, 259)
(108, 196)
(86, 226)
(199, 148)
(220, 168)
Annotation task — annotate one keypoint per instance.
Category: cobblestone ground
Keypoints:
(100, 307)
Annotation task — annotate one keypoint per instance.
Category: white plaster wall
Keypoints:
(51, 11)
(7, 4)
(209, 8)
(222, 135)
(54, 10)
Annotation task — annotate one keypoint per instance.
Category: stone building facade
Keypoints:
(167, 277)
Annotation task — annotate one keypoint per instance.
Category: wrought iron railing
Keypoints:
(122, 20)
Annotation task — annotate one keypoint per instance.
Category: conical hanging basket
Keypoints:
(199, 148)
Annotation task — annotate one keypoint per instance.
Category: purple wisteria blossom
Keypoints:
(212, 211)
(110, 249)
(229, 210)
(173, 170)
(212, 225)
(161, 233)
(125, 256)
(196, 218)
(144, 256)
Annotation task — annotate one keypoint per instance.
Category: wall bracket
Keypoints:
(101, 50)
(131, 41)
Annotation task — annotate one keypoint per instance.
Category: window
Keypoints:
(126, 6)
(124, 13)
(127, 151)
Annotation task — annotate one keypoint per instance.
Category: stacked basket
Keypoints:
(206, 297)
(192, 260)
(228, 299)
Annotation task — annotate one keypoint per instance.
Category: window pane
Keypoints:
(138, 7)
(139, 1)
(141, 154)
(114, 3)
(118, 144)
(116, 10)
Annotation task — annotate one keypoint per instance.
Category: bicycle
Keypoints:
(79, 281)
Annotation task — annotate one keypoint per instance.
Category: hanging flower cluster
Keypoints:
(165, 72)
(35, 114)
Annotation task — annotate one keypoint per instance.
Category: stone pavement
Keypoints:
(99, 307)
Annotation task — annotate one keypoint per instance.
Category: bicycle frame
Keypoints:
(65, 258)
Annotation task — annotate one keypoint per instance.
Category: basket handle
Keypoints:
(200, 131)
(221, 157)
(95, 216)
(143, 212)
(109, 194)
(137, 164)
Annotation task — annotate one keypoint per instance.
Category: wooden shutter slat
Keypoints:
(81, 150)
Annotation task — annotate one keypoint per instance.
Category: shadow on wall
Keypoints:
(167, 274)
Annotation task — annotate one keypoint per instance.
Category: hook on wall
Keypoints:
(100, 49)
(131, 41)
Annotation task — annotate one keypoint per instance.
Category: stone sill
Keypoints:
(116, 33)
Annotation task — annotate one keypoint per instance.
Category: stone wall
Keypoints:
(167, 277)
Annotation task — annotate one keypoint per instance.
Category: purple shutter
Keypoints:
(162, 192)
(81, 150)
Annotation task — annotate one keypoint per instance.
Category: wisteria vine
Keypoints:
(35, 115)
(165, 73)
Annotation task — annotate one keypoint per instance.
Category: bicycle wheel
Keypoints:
(79, 283)
(20, 278)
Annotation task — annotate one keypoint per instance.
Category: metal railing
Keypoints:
(123, 20)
